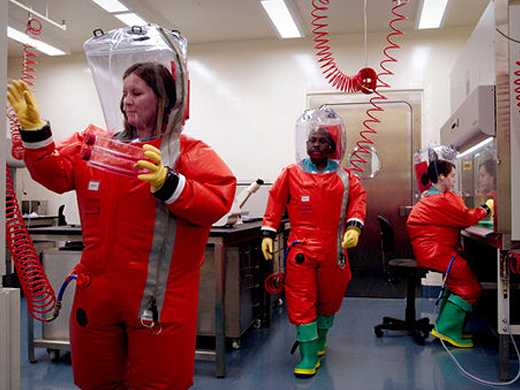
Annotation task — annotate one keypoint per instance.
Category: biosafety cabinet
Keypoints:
(484, 127)
(485, 124)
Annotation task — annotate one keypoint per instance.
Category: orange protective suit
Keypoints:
(141, 254)
(320, 207)
(434, 226)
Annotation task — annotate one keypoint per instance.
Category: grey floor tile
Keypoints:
(356, 358)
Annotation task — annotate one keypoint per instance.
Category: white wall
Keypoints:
(246, 95)
(475, 65)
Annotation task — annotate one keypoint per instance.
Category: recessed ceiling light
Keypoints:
(282, 19)
(432, 14)
(111, 5)
(131, 19)
(36, 43)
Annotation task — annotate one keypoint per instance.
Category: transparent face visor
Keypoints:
(424, 157)
(110, 55)
(318, 120)
(141, 77)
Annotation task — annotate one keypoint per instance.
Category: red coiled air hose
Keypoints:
(361, 82)
(274, 283)
(363, 145)
(33, 28)
(364, 81)
(37, 289)
(16, 141)
(41, 300)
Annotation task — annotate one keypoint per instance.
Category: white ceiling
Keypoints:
(203, 21)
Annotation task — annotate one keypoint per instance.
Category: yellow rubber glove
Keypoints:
(267, 248)
(24, 105)
(351, 238)
(157, 170)
(491, 204)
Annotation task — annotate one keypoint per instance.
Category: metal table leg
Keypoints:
(503, 316)
(503, 355)
(220, 325)
(30, 338)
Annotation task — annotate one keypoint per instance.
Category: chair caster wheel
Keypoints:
(378, 332)
(54, 355)
(420, 337)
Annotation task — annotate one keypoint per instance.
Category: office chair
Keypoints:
(404, 268)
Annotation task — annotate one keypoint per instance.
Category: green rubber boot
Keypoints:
(443, 301)
(324, 324)
(450, 322)
(307, 337)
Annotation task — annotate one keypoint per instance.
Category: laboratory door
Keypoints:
(388, 180)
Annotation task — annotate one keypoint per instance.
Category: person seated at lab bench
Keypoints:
(434, 226)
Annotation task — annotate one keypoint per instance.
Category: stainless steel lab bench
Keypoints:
(231, 293)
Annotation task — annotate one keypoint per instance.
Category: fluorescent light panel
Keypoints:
(475, 147)
(37, 44)
(281, 18)
(111, 5)
(131, 19)
(432, 13)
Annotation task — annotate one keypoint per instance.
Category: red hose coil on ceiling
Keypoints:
(365, 143)
(350, 84)
(364, 81)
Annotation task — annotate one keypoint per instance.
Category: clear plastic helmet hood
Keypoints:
(110, 55)
(423, 157)
(435, 152)
(320, 118)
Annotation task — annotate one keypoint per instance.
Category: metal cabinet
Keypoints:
(244, 295)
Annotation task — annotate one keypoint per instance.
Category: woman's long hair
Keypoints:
(161, 81)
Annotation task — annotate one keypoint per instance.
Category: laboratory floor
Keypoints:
(356, 359)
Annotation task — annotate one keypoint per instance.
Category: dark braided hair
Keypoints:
(435, 169)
